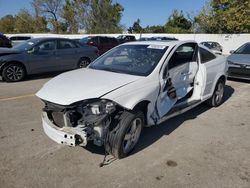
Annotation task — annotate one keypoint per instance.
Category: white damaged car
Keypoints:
(132, 86)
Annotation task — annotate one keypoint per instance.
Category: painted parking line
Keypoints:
(15, 98)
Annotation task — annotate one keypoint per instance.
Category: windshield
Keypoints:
(84, 40)
(131, 59)
(26, 45)
(244, 49)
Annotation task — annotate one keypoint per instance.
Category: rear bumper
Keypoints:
(66, 135)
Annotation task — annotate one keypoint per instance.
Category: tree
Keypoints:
(177, 23)
(154, 29)
(7, 24)
(103, 17)
(24, 22)
(50, 9)
(225, 16)
(69, 14)
(136, 28)
(40, 24)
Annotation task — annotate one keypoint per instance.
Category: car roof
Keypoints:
(51, 38)
(167, 43)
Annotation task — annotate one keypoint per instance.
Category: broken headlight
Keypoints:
(102, 107)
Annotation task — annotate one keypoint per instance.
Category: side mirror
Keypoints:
(232, 51)
(33, 50)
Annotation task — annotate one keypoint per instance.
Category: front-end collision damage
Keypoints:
(80, 122)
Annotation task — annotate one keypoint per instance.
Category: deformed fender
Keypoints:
(134, 93)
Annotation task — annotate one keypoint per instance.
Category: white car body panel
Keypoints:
(77, 85)
(128, 90)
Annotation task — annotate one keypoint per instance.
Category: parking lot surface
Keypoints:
(205, 147)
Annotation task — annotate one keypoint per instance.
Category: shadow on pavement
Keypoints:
(239, 80)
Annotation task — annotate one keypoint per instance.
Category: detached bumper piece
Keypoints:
(66, 135)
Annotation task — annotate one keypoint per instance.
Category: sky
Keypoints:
(150, 12)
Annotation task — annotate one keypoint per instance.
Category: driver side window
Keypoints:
(184, 54)
(47, 46)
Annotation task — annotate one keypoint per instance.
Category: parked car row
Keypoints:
(43, 55)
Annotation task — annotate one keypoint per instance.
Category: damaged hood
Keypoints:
(82, 84)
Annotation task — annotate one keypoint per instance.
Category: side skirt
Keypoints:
(179, 109)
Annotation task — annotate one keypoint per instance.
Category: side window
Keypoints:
(104, 40)
(65, 44)
(184, 54)
(206, 55)
(93, 40)
(47, 46)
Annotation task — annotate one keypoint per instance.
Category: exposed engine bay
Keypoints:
(84, 121)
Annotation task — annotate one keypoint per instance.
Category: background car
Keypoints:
(125, 38)
(19, 39)
(40, 55)
(102, 43)
(158, 39)
(214, 46)
(4, 41)
(239, 62)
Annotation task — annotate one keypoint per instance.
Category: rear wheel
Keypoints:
(13, 72)
(125, 134)
(217, 97)
(84, 62)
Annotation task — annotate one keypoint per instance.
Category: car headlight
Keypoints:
(102, 107)
(229, 62)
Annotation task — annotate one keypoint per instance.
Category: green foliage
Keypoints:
(69, 14)
(40, 25)
(136, 28)
(24, 22)
(104, 17)
(50, 9)
(177, 23)
(225, 16)
(154, 29)
(7, 24)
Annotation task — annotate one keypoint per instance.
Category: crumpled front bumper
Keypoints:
(66, 135)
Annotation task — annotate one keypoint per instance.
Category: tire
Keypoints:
(217, 97)
(84, 62)
(126, 132)
(13, 72)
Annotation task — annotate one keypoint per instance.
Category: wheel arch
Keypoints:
(13, 62)
(143, 107)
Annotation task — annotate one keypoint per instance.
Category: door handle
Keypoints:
(186, 73)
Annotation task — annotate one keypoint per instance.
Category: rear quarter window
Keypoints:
(206, 56)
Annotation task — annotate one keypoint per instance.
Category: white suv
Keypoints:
(132, 86)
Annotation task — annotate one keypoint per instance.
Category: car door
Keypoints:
(178, 77)
(67, 54)
(42, 57)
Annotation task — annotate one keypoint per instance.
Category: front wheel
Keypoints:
(13, 72)
(217, 97)
(125, 134)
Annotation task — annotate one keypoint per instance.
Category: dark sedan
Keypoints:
(43, 55)
(239, 62)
